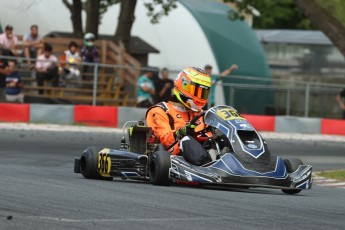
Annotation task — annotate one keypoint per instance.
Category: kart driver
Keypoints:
(170, 121)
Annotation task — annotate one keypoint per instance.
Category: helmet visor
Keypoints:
(197, 90)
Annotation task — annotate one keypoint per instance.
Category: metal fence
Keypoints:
(291, 97)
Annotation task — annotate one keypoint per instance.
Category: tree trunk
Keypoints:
(92, 19)
(126, 19)
(325, 21)
(76, 8)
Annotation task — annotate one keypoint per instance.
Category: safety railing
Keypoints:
(296, 98)
(94, 83)
(106, 84)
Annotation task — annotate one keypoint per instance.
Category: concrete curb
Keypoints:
(287, 124)
(55, 114)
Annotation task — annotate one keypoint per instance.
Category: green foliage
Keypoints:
(164, 7)
(338, 174)
(282, 14)
(335, 8)
(105, 4)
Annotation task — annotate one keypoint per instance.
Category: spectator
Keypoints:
(89, 54)
(69, 62)
(341, 102)
(145, 90)
(13, 87)
(215, 79)
(46, 67)
(164, 86)
(4, 71)
(8, 40)
(33, 44)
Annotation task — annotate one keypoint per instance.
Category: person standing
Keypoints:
(46, 67)
(339, 98)
(4, 71)
(8, 40)
(164, 86)
(215, 79)
(145, 90)
(89, 54)
(33, 44)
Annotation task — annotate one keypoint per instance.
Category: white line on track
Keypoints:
(57, 219)
(332, 184)
(323, 180)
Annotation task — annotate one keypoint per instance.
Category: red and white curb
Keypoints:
(330, 183)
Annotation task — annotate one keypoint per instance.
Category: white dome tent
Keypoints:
(178, 37)
(194, 34)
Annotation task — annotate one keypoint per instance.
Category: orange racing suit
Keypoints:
(166, 118)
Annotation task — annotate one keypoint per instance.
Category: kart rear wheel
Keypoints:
(159, 168)
(292, 165)
(89, 162)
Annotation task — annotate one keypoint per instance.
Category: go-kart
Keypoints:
(240, 158)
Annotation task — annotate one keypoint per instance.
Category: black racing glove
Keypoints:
(187, 130)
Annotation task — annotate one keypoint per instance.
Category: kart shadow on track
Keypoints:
(242, 158)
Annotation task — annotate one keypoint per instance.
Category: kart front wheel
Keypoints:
(159, 168)
(89, 163)
(292, 165)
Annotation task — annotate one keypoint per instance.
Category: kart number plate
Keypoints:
(228, 114)
(104, 164)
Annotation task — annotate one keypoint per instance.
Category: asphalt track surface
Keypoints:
(38, 190)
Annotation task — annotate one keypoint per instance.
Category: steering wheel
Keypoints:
(203, 131)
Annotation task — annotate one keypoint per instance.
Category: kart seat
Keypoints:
(138, 137)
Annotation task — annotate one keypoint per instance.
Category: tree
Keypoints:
(75, 8)
(125, 22)
(282, 14)
(326, 15)
(96, 8)
(127, 18)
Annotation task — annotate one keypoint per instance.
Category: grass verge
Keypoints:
(337, 174)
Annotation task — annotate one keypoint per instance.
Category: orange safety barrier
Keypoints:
(96, 115)
(261, 123)
(332, 126)
(14, 112)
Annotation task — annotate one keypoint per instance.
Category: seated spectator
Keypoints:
(13, 86)
(69, 62)
(33, 44)
(8, 40)
(4, 71)
(46, 67)
(164, 86)
(89, 54)
(145, 90)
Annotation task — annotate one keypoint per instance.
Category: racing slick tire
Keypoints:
(292, 165)
(159, 168)
(89, 163)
